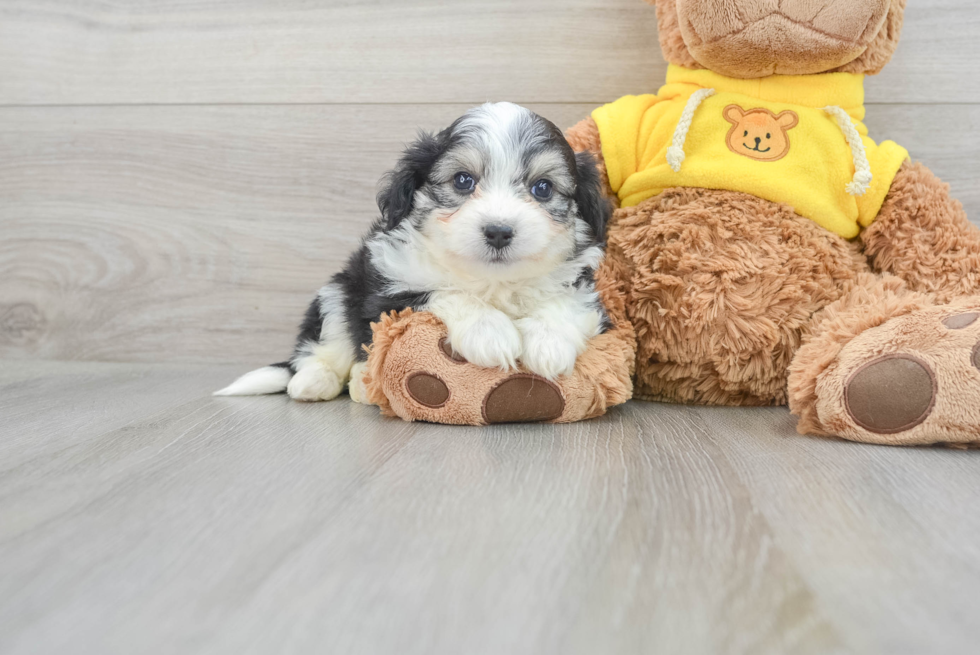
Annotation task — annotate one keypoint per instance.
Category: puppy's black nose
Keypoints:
(498, 236)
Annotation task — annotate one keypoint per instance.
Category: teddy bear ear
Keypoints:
(672, 45)
(882, 47)
(733, 114)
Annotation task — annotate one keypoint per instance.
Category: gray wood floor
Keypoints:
(140, 515)
(178, 177)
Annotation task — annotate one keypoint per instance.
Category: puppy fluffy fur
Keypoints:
(495, 226)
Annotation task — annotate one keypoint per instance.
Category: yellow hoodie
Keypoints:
(792, 139)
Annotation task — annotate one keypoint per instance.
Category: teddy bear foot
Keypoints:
(913, 380)
(413, 373)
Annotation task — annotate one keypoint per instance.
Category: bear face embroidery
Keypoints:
(758, 133)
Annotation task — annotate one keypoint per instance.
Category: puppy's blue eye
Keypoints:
(542, 189)
(464, 181)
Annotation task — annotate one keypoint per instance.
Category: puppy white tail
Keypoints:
(268, 379)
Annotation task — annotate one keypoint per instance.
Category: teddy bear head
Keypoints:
(758, 38)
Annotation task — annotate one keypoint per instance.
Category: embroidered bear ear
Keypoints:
(734, 114)
(787, 120)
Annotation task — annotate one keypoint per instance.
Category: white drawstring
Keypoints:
(862, 169)
(675, 153)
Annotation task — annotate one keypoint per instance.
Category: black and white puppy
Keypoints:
(495, 226)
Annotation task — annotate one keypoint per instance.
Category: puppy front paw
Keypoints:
(549, 353)
(313, 383)
(491, 341)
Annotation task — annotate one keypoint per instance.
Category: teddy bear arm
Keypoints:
(412, 373)
(613, 277)
(584, 136)
(923, 236)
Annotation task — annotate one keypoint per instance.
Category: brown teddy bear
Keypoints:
(764, 249)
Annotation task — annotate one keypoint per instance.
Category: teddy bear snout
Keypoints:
(756, 38)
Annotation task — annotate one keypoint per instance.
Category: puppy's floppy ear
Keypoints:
(398, 189)
(592, 203)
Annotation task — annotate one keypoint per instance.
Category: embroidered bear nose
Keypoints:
(758, 142)
(498, 236)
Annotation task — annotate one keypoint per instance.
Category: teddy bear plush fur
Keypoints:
(737, 300)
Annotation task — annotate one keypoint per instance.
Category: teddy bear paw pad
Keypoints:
(427, 389)
(961, 321)
(523, 398)
(448, 351)
(891, 394)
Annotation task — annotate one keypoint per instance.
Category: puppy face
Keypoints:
(499, 194)
(503, 192)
